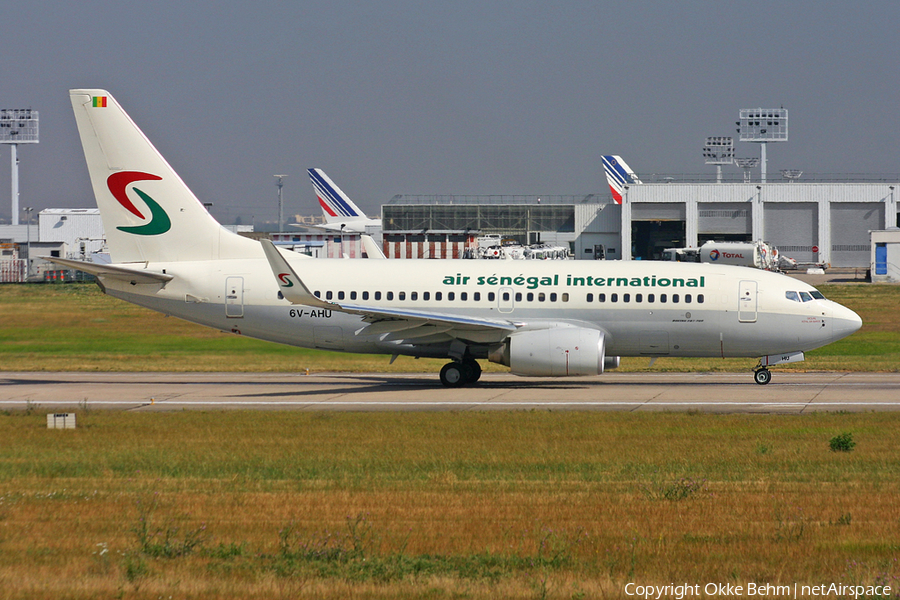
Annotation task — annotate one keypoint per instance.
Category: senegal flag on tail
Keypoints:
(99, 101)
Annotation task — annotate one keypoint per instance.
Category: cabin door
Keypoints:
(747, 302)
(234, 297)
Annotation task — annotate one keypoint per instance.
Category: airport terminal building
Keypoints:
(814, 221)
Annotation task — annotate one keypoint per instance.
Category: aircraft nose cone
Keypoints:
(844, 322)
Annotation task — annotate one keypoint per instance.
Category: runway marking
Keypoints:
(314, 403)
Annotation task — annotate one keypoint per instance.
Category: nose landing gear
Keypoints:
(762, 376)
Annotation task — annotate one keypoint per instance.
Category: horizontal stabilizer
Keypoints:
(128, 274)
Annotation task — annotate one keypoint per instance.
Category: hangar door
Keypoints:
(725, 221)
(850, 226)
(656, 226)
(793, 228)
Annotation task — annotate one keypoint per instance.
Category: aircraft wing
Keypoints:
(397, 322)
(133, 276)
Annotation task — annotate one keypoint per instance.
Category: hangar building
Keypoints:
(814, 222)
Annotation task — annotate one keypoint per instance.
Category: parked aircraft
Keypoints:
(341, 214)
(618, 175)
(541, 318)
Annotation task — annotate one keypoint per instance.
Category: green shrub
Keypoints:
(842, 443)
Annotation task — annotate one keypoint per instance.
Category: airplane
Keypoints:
(341, 214)
(539, 318)
(618, 175)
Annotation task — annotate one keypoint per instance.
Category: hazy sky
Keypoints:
(453, 97)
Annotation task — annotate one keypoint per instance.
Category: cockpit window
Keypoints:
(804, 296)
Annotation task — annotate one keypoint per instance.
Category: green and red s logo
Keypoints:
(284, 278)
(159, 221)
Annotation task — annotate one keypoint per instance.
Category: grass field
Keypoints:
(77, 328)
(465, 505)
(209, 505)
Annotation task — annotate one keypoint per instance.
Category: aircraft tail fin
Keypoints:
(336, 205)
(618, 175)
(148, 212)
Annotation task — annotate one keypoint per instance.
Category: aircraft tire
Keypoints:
(762, 376)
(453, 375)
(472, 370)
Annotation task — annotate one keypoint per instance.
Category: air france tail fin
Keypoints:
(148, 213)
(336, 205)
(618, 175)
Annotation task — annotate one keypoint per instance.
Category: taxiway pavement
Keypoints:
(708, 392)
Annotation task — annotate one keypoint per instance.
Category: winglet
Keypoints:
(290, 284)
(371, 248)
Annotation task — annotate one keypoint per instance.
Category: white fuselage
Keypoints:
(645, 308)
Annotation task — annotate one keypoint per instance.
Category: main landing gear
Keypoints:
(457, 374)
(762, 375)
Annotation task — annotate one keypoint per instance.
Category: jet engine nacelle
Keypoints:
(556, 352)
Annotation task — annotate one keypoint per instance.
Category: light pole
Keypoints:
(28, 211)
(279, 181)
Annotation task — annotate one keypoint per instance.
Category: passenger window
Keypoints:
(365, 295)
(805, 297)
(687, 298)
(506, 296)
(414, 296)
(553, 297)
(390, 295)
(401, 296)
(530, 296)
(476, 296)
(518, 296)
(700, 298)
(340, 295)
(437, 296)
(491, 296)
(353, 295)
(318, 294)
(675, 298)
(464, 296)
(626, 297)
(329, 295)
(565, 297)
(613, 297)
(451, 296)
(378, 295)
(590, 297)
(541, 297)
(601, 297)
(638, 297)
(662, 298)
(651, 298)
(426, 296)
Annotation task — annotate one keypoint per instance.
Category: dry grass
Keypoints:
(476, 505)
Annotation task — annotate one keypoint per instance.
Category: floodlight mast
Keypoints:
(17, 126)
(746, 164)
(719, 151)
(763, 125)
